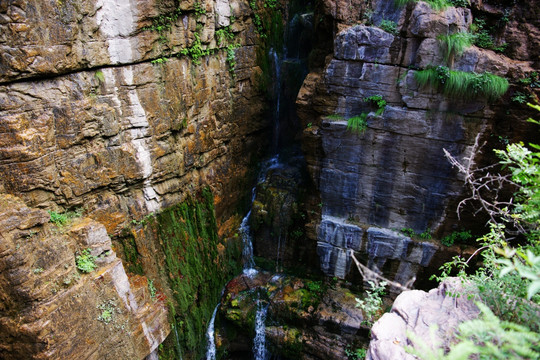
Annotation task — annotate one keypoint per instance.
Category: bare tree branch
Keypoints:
(368, 274)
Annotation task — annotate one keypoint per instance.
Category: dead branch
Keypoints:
(367, 273)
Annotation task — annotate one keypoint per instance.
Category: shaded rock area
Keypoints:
(398, 255)
(417, 312)
(394, 175)
(278, 217)
(109, 315)
(306, 319)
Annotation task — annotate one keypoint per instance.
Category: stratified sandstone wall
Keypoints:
(126, 140)
(101, 111)
(50, 310)
(394, 175)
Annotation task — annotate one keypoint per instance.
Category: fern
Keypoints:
(455, 44)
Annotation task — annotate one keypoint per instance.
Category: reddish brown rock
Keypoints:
(52, 310)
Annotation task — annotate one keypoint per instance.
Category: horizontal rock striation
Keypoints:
(51, 310)
(394, 173)
(128, 140)
(119, 110)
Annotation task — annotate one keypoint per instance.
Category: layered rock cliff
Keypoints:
(120, 110)
(393, 174)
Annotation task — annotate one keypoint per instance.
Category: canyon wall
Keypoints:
(117, 111)
(393, 174)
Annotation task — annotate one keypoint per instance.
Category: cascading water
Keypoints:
(259, 343)
(211, 348)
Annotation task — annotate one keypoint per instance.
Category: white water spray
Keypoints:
(259, 343)
(210, 333)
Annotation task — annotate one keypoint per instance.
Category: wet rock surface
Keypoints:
(306, 319)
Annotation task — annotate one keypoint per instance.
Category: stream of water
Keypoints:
(259, 343)
(211, 348)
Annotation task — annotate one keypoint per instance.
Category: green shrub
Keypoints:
(408, 231)
(223, 35)
(58, 219)
(86, 262)
(482, 37)
(61, 219)
(461, 84)
(456, 237)
(389, 26)
(357, 124)
(372, 302)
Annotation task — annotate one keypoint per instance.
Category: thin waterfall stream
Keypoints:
(259, 343)
(210, 333)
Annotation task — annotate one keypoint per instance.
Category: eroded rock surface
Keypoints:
(417, 312)
(306, 319)
(50, 309)
(394, 174)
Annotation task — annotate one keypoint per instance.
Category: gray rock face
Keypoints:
(416, 312)
(394, 174)
(336, 239)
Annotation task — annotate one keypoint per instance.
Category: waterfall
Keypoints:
(177, 343)
(211, 348)
(259, 343)
(277, 104)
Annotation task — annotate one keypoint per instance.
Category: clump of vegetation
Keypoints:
(456, 237)
(335, 117)
(461, 84)
(507, 285)
(152, 288)
(378, 101)
(85, 261)
(195, 51)
(231, 57)
(372, 303)
(108, 311)
(483, 38)
(357, 124)
(356, 354)
(435, 4)
(455, 44)
(389, 26)
(223, 35)
(61, 219)
(408, 231)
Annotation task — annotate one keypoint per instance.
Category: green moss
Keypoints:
(196, 270)
(131, 254)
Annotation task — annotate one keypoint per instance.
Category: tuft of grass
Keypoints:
(335, 117)
(455, 44)
(357, 124)
(461, 84)
(378, 101)
(438, 5)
